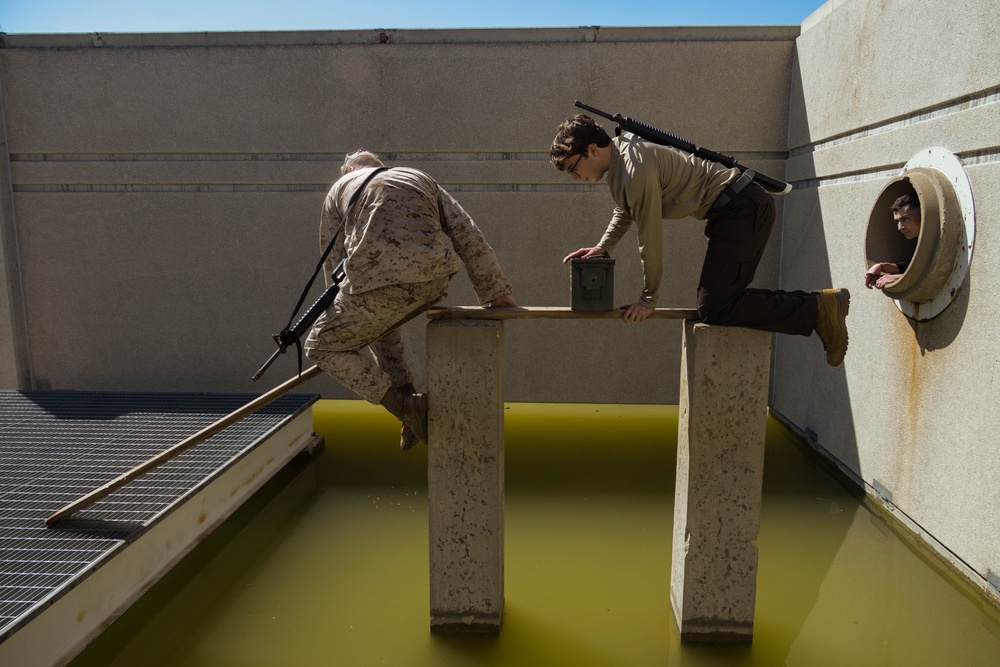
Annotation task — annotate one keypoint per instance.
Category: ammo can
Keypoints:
(593, 283)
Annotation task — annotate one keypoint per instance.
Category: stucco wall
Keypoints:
(165, 189)
(912, 408)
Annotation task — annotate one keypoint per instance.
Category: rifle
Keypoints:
(288, 337)
(657, 136)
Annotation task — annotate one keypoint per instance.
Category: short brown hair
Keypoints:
(573, 137)
(906, 200)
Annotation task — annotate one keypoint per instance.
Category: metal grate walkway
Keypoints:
(56, 447)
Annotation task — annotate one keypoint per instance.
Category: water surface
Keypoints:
(328, 564)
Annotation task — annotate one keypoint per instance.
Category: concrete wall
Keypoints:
(912, 408)
(164, 193)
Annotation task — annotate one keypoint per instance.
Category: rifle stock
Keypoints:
(658, 136)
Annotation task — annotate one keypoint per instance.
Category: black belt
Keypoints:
(731, 190)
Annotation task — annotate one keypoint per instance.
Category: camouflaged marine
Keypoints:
(404, 238)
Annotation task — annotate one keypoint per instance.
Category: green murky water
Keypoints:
(328, 564)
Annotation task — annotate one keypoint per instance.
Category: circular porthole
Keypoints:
(938, 259)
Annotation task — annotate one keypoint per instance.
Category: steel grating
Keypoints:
(58, 446)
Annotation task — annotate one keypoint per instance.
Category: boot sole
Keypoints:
(843, 300)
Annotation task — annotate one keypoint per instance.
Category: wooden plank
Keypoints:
(547, 313)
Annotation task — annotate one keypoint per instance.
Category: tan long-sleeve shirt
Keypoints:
(651, 183)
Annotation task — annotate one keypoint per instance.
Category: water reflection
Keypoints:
(328, 565)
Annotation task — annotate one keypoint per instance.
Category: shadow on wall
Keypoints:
(810, 394)
(806, 392)
(940, 332)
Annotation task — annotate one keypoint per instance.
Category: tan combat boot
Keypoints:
(407, 438)
(410, 408)
(831, 323)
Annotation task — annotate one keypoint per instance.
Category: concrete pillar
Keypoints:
(720, 470)
(465, 474)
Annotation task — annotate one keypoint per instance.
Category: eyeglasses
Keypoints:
(575, 165)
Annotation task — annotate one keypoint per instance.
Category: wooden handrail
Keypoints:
(183, 446)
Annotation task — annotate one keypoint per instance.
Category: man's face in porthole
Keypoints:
(907, 221)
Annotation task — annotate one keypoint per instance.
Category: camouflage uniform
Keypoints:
(399, 262)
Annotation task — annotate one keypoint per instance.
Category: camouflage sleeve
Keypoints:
(481, 263)
(329, 222)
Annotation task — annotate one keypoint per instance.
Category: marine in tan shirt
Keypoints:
(650, 183)
(404, 237)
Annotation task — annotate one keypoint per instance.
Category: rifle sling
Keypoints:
(326, 253)
(730, 191)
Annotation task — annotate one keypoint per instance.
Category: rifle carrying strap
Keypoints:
(730, 191)
(326, 253)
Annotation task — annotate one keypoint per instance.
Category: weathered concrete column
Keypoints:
(465, 474)
(720, 470)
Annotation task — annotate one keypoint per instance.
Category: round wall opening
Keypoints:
(939, 258)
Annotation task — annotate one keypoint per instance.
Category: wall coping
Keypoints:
(389, 37)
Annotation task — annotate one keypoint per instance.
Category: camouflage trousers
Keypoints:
(370, 319)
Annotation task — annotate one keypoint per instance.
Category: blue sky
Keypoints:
(30, 16)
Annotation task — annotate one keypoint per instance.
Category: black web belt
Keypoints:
(729, 193)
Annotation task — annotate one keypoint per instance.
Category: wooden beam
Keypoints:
(181, 447)
(548, 313)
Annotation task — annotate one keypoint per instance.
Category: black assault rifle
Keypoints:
(291, 336)
(657, 136)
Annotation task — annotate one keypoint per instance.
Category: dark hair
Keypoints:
(906, 200)
(573, 137)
